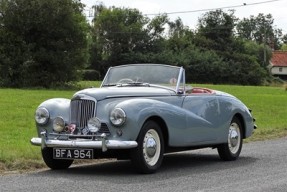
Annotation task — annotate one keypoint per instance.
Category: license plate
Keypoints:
(65, 153)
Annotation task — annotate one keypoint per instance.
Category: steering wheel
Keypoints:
(126, 80)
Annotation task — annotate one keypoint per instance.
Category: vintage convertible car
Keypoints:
(140, 112)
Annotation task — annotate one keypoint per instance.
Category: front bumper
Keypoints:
(102, 143)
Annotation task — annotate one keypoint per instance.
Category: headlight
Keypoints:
(58, 124)
(118, 117)
(94, 125)
(42, 116)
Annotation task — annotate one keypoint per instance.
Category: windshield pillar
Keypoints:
(180, 86)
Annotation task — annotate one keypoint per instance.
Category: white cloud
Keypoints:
(146, 7)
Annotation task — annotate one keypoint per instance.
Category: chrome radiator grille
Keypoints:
(81, 112)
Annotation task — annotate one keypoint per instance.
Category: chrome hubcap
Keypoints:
(151, 147)
(234, 138)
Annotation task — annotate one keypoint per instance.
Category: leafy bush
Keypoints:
(91, 75)
(42, 42)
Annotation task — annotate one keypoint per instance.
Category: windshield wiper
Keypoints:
(132, 84)
(126, 84)
(138, 84)
(110, 85)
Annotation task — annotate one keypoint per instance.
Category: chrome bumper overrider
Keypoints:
(102, 143)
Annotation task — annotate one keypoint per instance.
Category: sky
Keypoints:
(196, 8)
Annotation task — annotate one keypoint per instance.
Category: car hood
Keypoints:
(112, 92)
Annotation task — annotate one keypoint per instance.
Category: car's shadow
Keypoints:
(175, 164)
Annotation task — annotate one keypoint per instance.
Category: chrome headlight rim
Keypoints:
(59, 124)
(118, 117)
(42, 116)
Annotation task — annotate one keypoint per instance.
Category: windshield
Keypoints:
(145, 74)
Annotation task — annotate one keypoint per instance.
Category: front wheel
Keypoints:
(47, 154)
(147, 156)
(230, 151)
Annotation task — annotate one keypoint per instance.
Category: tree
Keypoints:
(260, 52)
(233, 64)
(44, 43)
(123, 36)
(261, 30)
(179, 36)
(115, 32)
(156, 26)
(218, 27)
(213, 54)
(284, 47)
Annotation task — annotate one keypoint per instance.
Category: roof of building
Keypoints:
(279, 59)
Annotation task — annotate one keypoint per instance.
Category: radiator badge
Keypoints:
(71, 128)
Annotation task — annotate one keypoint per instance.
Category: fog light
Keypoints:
(58, 124)
(94, 125)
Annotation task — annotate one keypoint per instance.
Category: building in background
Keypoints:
(278, 64)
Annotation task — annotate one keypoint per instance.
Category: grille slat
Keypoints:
(81, 112)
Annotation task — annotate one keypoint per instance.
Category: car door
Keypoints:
(202, 119)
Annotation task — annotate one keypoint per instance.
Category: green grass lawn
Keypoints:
(17, 127)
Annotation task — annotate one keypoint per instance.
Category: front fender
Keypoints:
(56, 107)
(139, 110)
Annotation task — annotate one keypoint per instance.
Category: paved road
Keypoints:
(262, 166)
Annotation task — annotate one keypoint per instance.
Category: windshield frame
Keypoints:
(179, 87)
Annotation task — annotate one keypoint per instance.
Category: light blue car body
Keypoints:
(189, 118)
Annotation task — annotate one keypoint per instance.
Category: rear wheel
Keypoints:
(47, 154)
(230, 151)
(148, 155)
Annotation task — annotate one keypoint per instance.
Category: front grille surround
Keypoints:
(81, 111)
